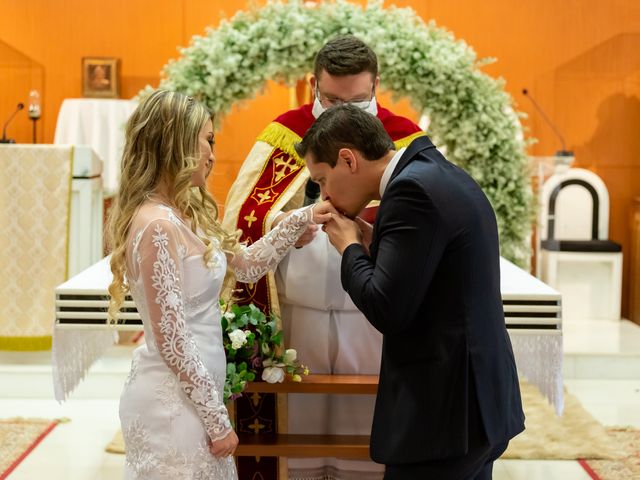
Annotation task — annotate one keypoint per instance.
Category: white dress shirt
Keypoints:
(389, 170)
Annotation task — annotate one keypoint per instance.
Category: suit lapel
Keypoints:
(415, 147)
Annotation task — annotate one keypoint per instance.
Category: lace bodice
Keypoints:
(163, 257)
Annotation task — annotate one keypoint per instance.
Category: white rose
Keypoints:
(238, 339)
(273, 375)
(290, 356)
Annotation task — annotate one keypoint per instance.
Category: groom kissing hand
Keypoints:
(429, 269)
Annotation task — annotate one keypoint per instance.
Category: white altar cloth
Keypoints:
(100, 123)
(532, 315)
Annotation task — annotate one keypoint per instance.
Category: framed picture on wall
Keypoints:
(100, 77)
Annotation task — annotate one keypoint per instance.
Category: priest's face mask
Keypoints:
(330, 90)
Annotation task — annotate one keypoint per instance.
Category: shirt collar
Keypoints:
(389, 170)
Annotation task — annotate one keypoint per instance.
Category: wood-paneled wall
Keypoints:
(580, 59)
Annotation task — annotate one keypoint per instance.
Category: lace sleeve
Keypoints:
(160, 254)
(254, 261)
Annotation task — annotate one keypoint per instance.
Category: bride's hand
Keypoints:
(306, 238)
(322, 212)
(225, 446)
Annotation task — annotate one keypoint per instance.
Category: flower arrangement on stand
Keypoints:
(254, 346)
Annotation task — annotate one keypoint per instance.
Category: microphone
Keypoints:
(311, 193)
(562, 153)
(4, 138)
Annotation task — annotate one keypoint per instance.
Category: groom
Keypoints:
(427, 276)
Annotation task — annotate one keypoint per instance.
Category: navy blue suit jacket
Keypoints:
(431, 286)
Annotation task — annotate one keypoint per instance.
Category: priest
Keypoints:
(319, 319)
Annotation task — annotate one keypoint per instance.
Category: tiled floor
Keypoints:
(75, 450)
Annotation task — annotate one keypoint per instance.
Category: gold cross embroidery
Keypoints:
(251, 218)
(256, 426)
(286, 163)
(255, 398)
(264, 196)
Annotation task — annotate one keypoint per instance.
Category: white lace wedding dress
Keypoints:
(172, 404)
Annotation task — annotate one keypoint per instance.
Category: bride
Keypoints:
(171, 254)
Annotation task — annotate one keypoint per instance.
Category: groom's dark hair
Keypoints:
(345, 126)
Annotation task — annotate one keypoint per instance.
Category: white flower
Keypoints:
(290, 356)
(238, 339)
(229, 315)
(273, 375)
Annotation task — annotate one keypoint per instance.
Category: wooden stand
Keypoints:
(289, 445)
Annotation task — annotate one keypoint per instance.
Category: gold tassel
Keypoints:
(280, 136)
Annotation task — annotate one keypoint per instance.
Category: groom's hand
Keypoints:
(342, 232)
(367, 232)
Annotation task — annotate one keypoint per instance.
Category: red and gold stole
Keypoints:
(281, 177)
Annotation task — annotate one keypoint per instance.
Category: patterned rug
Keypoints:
(574, 435)
(627, 467)
(18, 438)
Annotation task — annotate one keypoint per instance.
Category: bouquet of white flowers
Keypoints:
(254, 346)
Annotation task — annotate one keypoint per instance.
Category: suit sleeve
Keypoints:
(410, 239)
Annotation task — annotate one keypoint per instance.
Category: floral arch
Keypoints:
(471, 114)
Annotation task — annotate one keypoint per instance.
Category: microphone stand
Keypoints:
(560, 153)
(4, 138)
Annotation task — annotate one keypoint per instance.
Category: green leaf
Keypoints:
(243, 320)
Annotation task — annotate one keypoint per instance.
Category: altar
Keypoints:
(50, 230)
(532, 314)
(99, 123)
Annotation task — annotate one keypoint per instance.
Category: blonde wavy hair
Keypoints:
(161, 145)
